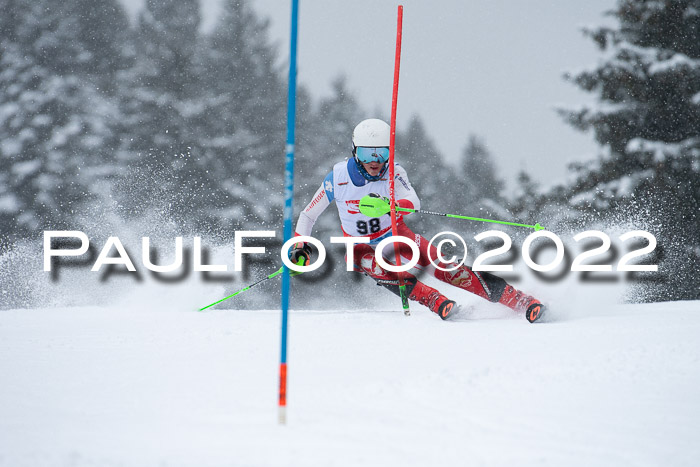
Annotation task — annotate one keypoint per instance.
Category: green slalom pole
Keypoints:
(377, 207)
(264, 279)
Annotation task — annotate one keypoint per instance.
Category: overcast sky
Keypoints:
(489, 67)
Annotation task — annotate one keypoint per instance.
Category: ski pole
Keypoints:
(274, 274)
(536, 226)
(376, 207)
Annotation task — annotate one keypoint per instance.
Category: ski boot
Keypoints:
(521, 302)
(434, 300)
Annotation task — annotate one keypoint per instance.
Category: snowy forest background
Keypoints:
(107, 122)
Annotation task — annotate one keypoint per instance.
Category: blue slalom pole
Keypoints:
(288, 198)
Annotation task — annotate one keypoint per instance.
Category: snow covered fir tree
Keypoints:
(647, 122)
(56, 124)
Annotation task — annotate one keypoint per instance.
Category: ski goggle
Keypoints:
(368, 155)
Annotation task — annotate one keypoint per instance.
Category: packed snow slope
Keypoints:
(93, 386)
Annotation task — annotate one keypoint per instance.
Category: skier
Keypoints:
(366, 173)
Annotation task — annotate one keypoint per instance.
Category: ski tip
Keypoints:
(534, 312)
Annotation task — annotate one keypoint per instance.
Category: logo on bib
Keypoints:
(353, 206)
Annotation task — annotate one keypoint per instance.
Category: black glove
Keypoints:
(300, 250)
(386, 209)
(383, 198)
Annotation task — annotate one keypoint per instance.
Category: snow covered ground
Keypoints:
(94, 386)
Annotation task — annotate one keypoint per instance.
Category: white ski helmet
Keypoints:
(372, 133)
(370, 143)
